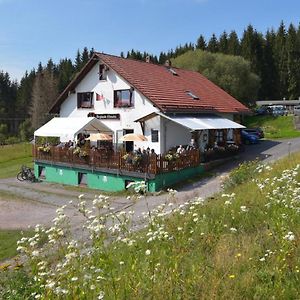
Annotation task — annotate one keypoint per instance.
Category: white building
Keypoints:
(167, 105)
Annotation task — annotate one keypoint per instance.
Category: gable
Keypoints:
(170, 90)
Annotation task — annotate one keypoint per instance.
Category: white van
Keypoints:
(297, 110)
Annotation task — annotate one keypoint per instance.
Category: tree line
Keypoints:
(273, 56)
(271, 64)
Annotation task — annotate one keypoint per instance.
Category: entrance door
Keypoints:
(128, 145)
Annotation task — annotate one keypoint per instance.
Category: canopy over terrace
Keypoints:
(68, 128)
(196, 121)
(201, 122)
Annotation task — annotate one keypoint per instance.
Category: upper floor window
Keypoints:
(103, 72)
(123, 98)
(85, 100)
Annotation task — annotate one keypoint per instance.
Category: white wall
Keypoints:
(91, 83)
(175, 135)
(153, 123)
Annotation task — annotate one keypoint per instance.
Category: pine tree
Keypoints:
(24, 96)
(281, 58)
(162, 58)
(269, 77)
(65, 73)
(78, 61)
(92, 51)
(252, 49)
(293, 63)
(233, 44)
(213, 44)
(201, 44)
(85, 56)
(223, 43)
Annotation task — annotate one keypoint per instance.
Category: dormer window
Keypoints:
(123, 98)
(189, 93)
(85, 100)
(103, 72)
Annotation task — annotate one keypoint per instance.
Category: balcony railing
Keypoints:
(144, 163)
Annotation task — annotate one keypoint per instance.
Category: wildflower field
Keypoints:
(241, 244)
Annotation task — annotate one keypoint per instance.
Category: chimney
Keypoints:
(168, 63)
(148, 59)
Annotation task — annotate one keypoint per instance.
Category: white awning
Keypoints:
(68, 128)
(197, 122)
(205, 122)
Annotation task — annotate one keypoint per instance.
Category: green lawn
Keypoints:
(12, 157)
(274, 127)
(8, 243)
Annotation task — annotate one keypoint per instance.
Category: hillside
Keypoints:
(242, 244)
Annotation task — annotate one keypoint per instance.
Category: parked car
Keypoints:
(256, 131)
(248, 138)
(297, 110)
(261, 111)
(278, 110)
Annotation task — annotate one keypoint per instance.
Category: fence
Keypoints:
(147, 163)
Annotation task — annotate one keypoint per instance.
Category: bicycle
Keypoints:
(26, 173)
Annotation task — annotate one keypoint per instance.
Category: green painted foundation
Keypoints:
(107, 181)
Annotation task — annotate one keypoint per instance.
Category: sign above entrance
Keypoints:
(105, 116)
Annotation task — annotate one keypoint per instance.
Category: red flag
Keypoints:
(99, 97)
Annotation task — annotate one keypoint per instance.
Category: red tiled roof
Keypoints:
(167, 91)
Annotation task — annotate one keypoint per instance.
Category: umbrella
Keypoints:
(133, 137)
(99, 137)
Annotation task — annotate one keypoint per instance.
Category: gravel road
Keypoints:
(24, 204)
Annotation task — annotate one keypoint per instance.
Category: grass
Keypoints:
(274, 127)
(8, 243)
(12, 157)
(243, 244)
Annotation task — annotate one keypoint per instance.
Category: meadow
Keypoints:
(12, 157)
(273, 127)
(240, 244)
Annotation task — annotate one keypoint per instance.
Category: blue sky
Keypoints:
(35, 30)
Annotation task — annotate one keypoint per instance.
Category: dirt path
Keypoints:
(24, 204)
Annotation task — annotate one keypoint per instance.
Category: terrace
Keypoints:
(117, 161)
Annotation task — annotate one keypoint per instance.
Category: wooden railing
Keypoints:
(148, 163)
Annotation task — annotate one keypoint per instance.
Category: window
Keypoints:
(103, 72)
(154, 136)
(192, 95)
(85, 100)
(123, 98)
(219, 136)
